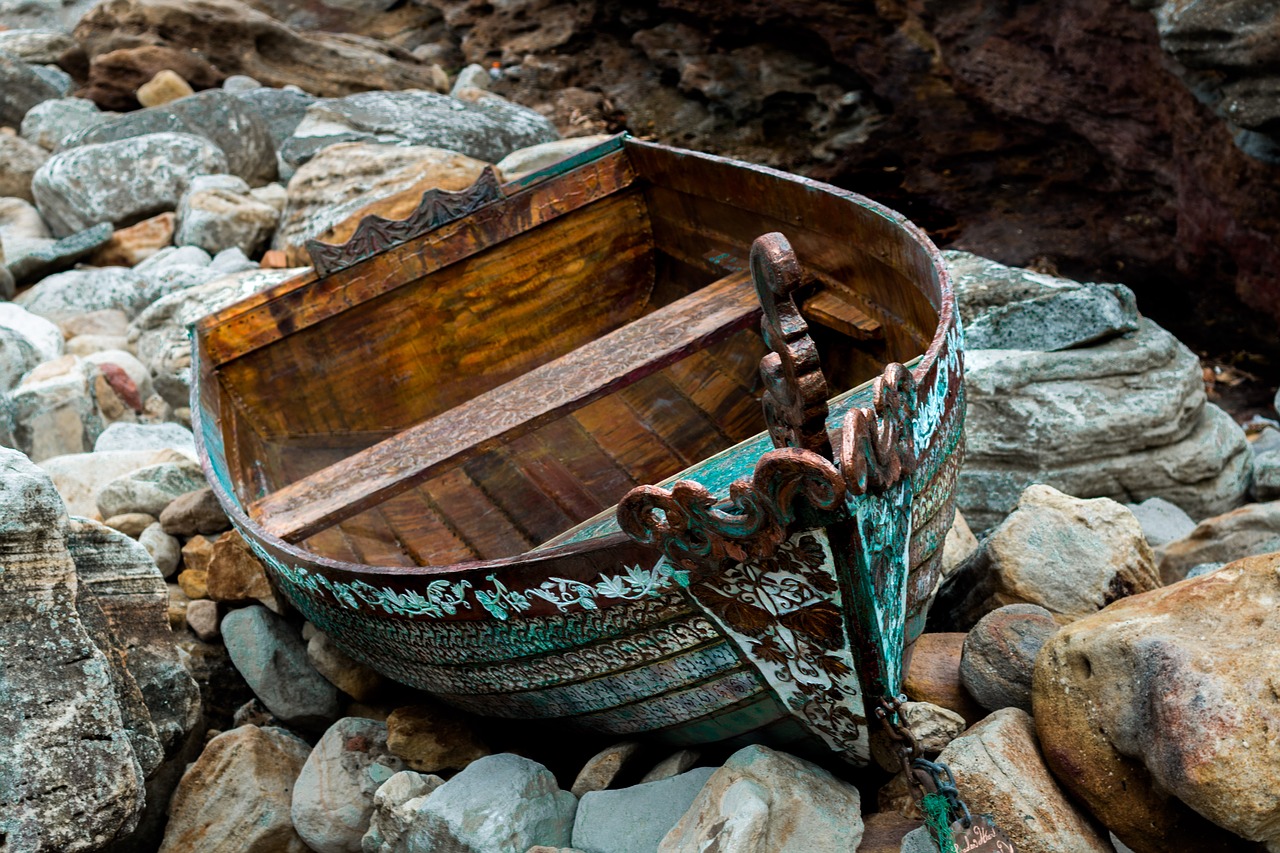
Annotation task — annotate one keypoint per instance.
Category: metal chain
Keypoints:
(924, 776)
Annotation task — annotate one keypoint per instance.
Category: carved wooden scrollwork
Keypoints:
(697, 532)
(795, 398)
(375, 234)
(878, 444)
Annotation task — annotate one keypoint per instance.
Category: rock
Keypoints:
(933, 675)
(474, 76)
(350, 676)
(272, 659)
(235, 574)
(17, 357)
(1266, 476)
(131, 246)
(1074, 421)
(238, 83)
(635, 818)
(998, 766)
(1073, 557)
(333, 796)
(131, 524)
(1000, 655)
(37, 47)
(932, 726)
(487, 129)
(525, 161)
(73, 781)
(603, 768)
(121, 182)
(147, 437)
(202, 618)
(116, 76)
(88, 345)
(79, 477)
(163, 548)
(194, 584)
(44, 336)
(48, 123)
(149, 489)
(766, 800)
(40, 258)
(346, 182)
(394, 806)
(958, 546)
(192, 513)
(1157, 712)
(21, 88)
(1245, 532)
(498, 803)
(220, 217)
(166, 86)
(1162, 522)
(19, 160)
(197, 552)
(433, 737)
(281, 109)
(237, 795)
(239, 40)
(64, 295)
(673, 765)
(57, 415)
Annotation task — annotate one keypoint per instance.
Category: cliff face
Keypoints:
(1056, 134)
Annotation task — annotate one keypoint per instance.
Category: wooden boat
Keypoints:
(514, 450)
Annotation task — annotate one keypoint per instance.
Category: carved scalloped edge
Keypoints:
(877, 447)
(375, 234)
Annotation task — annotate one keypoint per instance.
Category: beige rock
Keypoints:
(1162, 710)
(107, 321)
(1000, 771)
(194, 583)
(79, 476)
(432, 737)
(197, 553)
(1070, 556)
(1245, 532)
(524, 161)
(178, 604)
(932, 726)
(195, 512)
(131, 523)
(235, 574)
(933, 675)
(87, 345)
(131, 246)
(603, 767)
(237, 795)
(331, 193)
(762, 800)
(19, 160)
(673, 765)
(202, 619)
(166, 86)
(350, 676)
(958, 546)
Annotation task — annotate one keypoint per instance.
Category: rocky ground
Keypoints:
(1099, 667)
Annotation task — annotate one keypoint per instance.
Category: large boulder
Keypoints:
(59, 414)
(1251, 530)
(1160, 712)
(64, 295)
(635, 819)
(121, 182)
(273, 660)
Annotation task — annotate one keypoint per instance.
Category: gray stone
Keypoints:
(165, 550)
(19, 160)
(273, 660)
(17, 356)
(1162, 522)
(635, 819)
(71, 780)
(333, 797)
(56, 77)
(121, 182)
(472, 77)
(766, 800)
(42, 335)
(238, 83)
(1203, 569)
(673, 765)
(58, 415)
(195, 512)
(499, 803)
(918, 840)
(149, 489)
(79, 477)
(42, 258)
(350, 676)
(50, 123)
(1266, 439)
(488, 129)
(122, 436)
(931, 725)
(67, 294)
(999, 655)
(1266, 476)
(603, 767)
(281, 109)
(21, 88)
(202, 619)
(394, 806)
(38, 47)
(215, 214)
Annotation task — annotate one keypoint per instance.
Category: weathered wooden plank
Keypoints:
(536, 461)
(620, 433)
(600, 367)
(675, 419)
(422, 532)
(836, 313)
(532, 509)
(595, 469)
(468, 511)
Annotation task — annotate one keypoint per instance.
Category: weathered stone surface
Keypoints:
(39, 332)
(766, 800)
(629, 820)
(48, 123)
(432, 737)
(934, 675)
(272, 659)
(56, 415)
(1073, 420)
(202, 618)
(932, 726)
(194, 584)
(394, 806)
(72, 781)
(35, 46)
(497, 804)
(79, 477)
(350, 676)
(235, 574)
(673, 765)
(1266, 476)
(164, 549)
(131, 246)
(236, 39)
(167, 436)
(333, 797)
(149, 489)
(192, 513)
(281, 109)
(603, 767)
(1072, 557)
(166, 86)
(66, 294)
(525, 161)
(237, 795)
(1245, 532)
(121, 182)
(1156, 711)
(21, 88)
(1000, 655)
(115, 76)
(1162, 522)
(487, 129)
(131, 524)
(34, 259)
(19, 160)
(17, 357)
(998, 765)
(344, 183)
(958, 546)
(216, 217)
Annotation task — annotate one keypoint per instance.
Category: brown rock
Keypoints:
(116, 75)
(194, 583)
(197, 553)
(1244, 532)
(130, 523)
(1163, 708)
(235, 39)
(274, 259)
(1000, 654)
(958, 546)
(1000, 771)
(195, 512)
(166, 86)
(934, 675)
(131, 246)
(603, 767)
(350, 676)
(432, 737)
(178, 604)
(19, 160)
(673, 765)
(882, 832)
(235, 574)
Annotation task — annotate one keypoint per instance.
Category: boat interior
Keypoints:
(481, 389)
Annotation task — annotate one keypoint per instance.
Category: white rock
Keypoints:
(164, 549)
(394, 806)
(44, 335)
(79, 477)
(50, 123)
(122, 436)
(519, 163)
(472, 77)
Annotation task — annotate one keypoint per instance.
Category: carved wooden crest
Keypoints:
(375, 234)
(878, 444)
